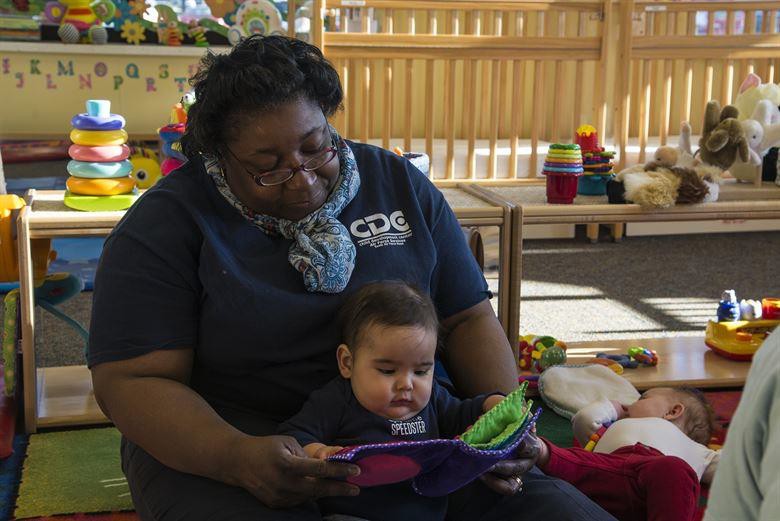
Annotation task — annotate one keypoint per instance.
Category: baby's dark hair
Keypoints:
(698, 420)
(387, 303)
(260, 73)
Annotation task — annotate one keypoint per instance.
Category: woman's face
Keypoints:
(281, 138)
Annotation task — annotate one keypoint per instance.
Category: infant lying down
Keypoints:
(643, 461)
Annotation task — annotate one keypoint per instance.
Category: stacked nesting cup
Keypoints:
(99, 170)
(562, 166)
(597, 162)
(170, 135)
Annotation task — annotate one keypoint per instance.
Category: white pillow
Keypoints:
(568, 388)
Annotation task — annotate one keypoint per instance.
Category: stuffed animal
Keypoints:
(723, 138)
(661, 185)
(751, 92)
(81, 20)
(761, 135)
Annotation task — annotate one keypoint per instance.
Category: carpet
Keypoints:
(10, 471)
(72, 472)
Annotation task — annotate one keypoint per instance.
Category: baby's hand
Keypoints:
(326, 451)
(620, 409)
(491, 401)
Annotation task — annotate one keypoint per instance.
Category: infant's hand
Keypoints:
(491, 401)
(620, 409)
(326, 451)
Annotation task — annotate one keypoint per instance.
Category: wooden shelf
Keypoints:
(682, 361)
(65, 397)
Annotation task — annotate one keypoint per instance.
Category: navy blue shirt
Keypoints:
(333, 416)
(184, 269)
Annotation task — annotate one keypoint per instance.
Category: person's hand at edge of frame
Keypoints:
(506, 476)
(276, 470)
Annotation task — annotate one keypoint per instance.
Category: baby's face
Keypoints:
(654, 403)
(392, 373)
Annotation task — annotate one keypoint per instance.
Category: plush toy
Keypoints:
(674, 176)
(751, 92)
(722, 138)
(537, 353)
(81, 20)
(659, 185)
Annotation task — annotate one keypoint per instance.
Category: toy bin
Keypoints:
(593, 184)
(561, 188)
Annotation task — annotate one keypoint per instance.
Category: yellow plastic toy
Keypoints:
(116, 186)
(100, 203)
(98, 138)
(146, 168)
(739, 339)
(42, 253)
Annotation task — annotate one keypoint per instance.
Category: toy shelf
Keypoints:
(59, 396)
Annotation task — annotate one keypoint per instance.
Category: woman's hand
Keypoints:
(276, 470)
(506, 476)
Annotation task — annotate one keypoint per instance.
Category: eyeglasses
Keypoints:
(277, 177)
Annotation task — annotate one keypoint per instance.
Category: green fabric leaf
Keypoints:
(501, 422)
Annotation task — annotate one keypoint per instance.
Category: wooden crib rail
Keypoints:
(500, 79)
(466, 71)
(680, 55)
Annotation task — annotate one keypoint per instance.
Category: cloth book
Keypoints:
(439, 467)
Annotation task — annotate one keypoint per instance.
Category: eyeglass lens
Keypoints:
(280, 176)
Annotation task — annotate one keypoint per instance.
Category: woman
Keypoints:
(215, 297)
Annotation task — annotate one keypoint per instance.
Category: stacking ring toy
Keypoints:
(109, 153)
(169, 151)
(85, 121)
(95, 170)
(170, 164)
(564, 146)
(575, 170)
(121, 185)
(95, 203)
(98, 138)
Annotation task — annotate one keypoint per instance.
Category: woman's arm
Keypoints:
(149, 401)
(477, 353)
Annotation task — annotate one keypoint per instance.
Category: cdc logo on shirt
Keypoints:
(380, 230)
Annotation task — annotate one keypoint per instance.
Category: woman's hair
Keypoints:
(699, 417)
(389, 303)
(258, 74)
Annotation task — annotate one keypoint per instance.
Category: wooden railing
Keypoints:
(679, 55)
(450, 73)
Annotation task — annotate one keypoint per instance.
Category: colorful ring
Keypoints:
(170, 164)
(95, 203)
(564, 153)
(565, 159)
(96, 170)
(84, 121)
(100, 154)
(118, 186)
(565, 146)
(562, 169)
(168, 151)
(98, 138)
